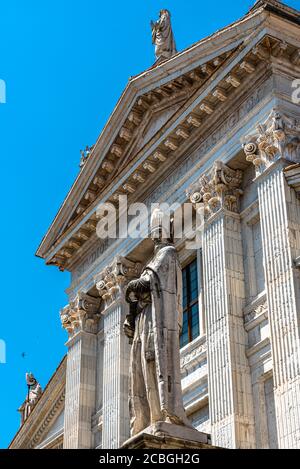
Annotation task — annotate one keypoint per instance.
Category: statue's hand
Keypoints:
(130, 292)
(128, 327)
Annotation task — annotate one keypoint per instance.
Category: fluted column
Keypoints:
(274, 145)
(111, 284)
(230, 393)
(80, 319)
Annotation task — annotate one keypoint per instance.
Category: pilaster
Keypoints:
(111, 284)
(80, 319)
(275, 145)
(230, 393)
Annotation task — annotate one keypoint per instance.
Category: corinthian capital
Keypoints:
(113, 278)
(218, 189)
(277, 137)
(82, 314)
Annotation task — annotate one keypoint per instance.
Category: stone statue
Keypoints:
(153, 325)
(162, 36)
(33, 395)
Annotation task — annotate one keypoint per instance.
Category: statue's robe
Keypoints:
(155, 381)
(163, 38)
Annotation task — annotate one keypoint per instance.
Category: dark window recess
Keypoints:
(190, 329)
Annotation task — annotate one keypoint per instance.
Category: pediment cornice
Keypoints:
(203, 89)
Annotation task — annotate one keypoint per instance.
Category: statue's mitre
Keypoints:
(160, 224)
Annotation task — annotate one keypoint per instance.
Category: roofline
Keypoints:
(278, 8)
(61, 364)
(131, 92)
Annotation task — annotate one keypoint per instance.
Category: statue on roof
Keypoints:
(162, 36)
(33, 395)
(85, 155)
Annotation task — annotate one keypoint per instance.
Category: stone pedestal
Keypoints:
(111, 284)
(169, 436)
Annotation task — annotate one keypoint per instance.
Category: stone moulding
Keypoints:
(277, 137)
(62, 256)
(114, 277)
(44, 413)
(180, 175)
(218, 189)
(82, 314)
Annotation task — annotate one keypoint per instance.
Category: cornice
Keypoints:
(185, 61)
(45, 412)
(204, 102)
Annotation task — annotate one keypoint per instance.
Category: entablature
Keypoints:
(203, 81)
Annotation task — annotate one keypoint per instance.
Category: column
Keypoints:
(80, 319)
(111, 284)
(230, 393)
(272, 147)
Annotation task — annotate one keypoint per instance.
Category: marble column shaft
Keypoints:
(280, 222)
(80, 391)
(111, 285)
(230, 392)
(231, 403)
(80, 319)
(115, 377)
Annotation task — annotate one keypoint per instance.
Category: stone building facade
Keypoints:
(215, 124)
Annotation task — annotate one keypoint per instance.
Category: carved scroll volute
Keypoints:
(218, 189)
(278, 137)
(81, 315)
(111, 282)
(66, 320)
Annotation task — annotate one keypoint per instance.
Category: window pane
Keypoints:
(184, 293)
(191, 327)
(193, 281)
(195, 321)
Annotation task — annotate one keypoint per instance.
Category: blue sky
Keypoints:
(65, 63)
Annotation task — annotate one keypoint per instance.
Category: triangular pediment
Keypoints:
(170, 101)
(156, 121)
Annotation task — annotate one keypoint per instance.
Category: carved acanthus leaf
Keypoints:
(82, 314)
(277, 137)
(218, 189)
(114, 277)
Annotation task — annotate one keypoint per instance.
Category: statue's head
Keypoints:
(30, 379)
(161, 227)
(164, 12)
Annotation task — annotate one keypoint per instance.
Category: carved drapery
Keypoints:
(277, 137)
(82, 314)
(218, 189)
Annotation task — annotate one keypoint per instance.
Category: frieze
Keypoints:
(192, 356)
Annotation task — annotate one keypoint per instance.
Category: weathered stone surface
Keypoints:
(178, 128)
(169, 436)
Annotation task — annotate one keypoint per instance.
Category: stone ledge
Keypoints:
(169, 436)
